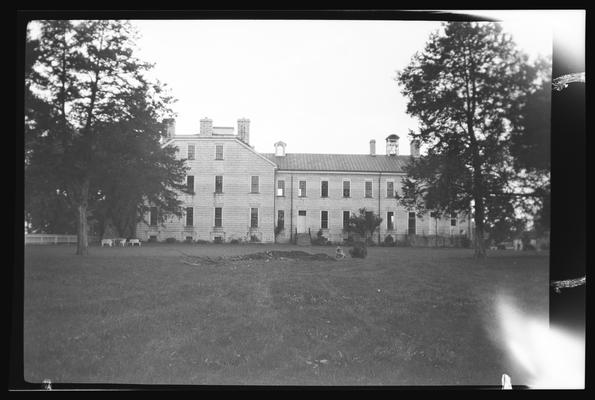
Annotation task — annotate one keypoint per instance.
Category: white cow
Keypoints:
(133, 242)
(107, 242)
(121, 241)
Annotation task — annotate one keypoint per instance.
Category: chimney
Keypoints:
(372, 147)
(206, 127)
(170, 127)
(280, 149)
(414, 148)
(392, 145)
(244, 130)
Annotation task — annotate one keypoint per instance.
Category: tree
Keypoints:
(530, 147)
(467, 89)
(92, 123)
(364, 224)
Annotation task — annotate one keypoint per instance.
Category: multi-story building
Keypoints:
(245, 195)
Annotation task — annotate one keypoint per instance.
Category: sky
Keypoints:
(319, 86)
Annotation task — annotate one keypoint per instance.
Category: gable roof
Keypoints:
(339, 162)
(217, 138)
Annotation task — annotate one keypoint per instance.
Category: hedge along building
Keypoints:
(245, 195)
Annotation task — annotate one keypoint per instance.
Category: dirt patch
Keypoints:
(264, 255)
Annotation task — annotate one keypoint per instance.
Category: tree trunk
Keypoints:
(82, 247)
(480, 250)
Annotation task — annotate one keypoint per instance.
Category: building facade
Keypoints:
(274, 197)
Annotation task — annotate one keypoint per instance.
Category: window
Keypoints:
(390, 189)
(190, 183)
(324, 219)
(254, 185)
(411, 223)
(280, 219)
(218, 217)
(218, 184)
(324, 189)
(153, 216)
(368, 189)
(302, 189)
(453, 219)
(219, 152)
(189, 216)
(346, 188)
(345, 219)
(280, 188)
(254, 218)
(191, 152)
(390, 220)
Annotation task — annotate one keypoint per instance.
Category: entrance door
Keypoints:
(301, 221)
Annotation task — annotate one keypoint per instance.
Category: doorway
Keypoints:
(301, 221)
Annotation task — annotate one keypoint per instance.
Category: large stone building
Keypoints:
(245, 195)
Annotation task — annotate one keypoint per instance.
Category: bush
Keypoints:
(544, 246)
(320, 239)
(152, 239)
(278, 230)
(234, 241)
(254, 239)
(200, 241)
(358, 250)
(389, 241)
(171, 240)
(188, 240)
(528, 247)
(465, 242)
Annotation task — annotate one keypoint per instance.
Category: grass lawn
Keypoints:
(402, 316)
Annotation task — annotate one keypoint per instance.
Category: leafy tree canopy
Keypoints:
(93, 126)
(468, 89)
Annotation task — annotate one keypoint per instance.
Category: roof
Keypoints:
(339, 162)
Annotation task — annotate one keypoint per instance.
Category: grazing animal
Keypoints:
(121, 241)
(133, 242)
(107, 242)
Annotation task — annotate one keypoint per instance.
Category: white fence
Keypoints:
(39, 238)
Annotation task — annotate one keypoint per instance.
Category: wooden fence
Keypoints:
(42, 238)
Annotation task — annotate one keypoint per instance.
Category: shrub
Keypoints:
(544, 246)
(254, 239)
(358, 250)
(171, 240)
(234, 241)
(405, 242)
(200, 241)
(465, 242)
(152, 239)
(528, 247)
(188, 240)
(278, 230)
(320, 239)
(389, 241)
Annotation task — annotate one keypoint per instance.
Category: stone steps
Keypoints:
(303, 239)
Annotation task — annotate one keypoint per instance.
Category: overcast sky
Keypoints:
(320, 86)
